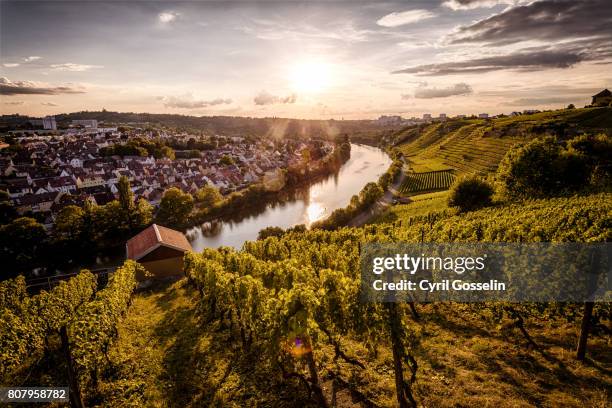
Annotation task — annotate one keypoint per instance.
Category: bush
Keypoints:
(270, 232)
(545, 167)
(470, 193)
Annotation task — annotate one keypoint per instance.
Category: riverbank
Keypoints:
(259, 195)
(305, 205)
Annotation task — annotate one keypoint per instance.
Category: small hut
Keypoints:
(602, 99)
(160, 250)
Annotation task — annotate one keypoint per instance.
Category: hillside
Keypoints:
(478, 145)
(172, 351)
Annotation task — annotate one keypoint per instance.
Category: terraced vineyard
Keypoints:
(428, 181)
(477, 146)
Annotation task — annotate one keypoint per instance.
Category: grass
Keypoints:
(421, 165)
(422, 205)
(166, 357)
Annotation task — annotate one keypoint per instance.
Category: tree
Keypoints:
(175, 207)
(7, 211)
(134, 215)
(370, 193)
(226, 160)
(21, 244)
(208, 196)
(69, 224)
(571, 106)
(270, 232)
(470, 193)
(126, 196)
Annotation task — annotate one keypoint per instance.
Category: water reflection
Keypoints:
(302, 206)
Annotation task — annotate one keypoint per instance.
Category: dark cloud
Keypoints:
(13, 103)
(264, 98)
(525, 61)
(188, 102)
(424, 92)
(8, 87)
(473, 4)
(543, 20)
(49, 104)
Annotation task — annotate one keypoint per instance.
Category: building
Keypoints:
(389, 120)
(483, 115)
(604, 98)
(427, 116)
(49, 123)
(86, 123)
(442, 116)
(159, 250)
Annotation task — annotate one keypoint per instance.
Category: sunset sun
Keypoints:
(310, 76)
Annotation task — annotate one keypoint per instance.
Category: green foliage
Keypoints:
(22, 242)
(208, 196)
(428, 181)
(546, 167)
(94, 326)
(175, 208)
(27, 321)
(140, 147)
(469, 193)
(226, 160)
(270, 232)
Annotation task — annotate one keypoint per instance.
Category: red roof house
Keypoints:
(160, 250)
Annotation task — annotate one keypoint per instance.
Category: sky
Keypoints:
(303, 59)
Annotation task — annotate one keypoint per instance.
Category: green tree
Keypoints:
(470, 193)
(370, 193)
(126, 196)
(22, 242)
(226, 160)
(69, 224)
(7, 211)
(175, 208)
(208, 196)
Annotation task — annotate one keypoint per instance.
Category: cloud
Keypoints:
(265, 98)
(423, 92)
(281, 30)
(69, 66)
(32, 58)
(524, 61)
(10, 65)
(188, 102)
(167, 17)
(14, 103)
(546, 20)
(397, 19)
(8, 87)
(474, 4)
(49, 104)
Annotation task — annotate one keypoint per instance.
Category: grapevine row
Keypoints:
(428, 181)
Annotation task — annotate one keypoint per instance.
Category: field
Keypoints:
(428, 181)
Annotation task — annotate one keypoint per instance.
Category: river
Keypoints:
(304, 206)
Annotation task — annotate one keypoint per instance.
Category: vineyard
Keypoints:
(280, 323)
(428, 181)
(477, 146)
(64, 333)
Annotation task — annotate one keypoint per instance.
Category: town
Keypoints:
(44, 169)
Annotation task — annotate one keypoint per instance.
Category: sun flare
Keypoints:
(310, 77)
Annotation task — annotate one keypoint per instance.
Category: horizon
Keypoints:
(302, 60)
